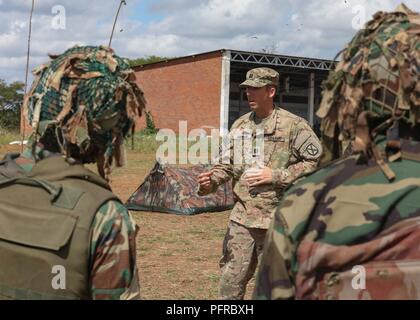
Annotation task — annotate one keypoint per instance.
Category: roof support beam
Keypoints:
(283, 61)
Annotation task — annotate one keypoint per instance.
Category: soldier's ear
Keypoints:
(271, 91)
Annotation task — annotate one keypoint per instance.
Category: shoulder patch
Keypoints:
(312, 149)
(308, 145)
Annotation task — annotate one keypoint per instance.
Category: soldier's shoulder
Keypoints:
(112, 212)
(296, 121)
(331, 174)
(289, 115)
(242, 120)
(348, 171)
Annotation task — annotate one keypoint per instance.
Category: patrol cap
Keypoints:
(261, 77)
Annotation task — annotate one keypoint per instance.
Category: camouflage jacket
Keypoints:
(289, 147)
(113, 273)
(345, 218)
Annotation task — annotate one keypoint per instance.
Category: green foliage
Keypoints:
(150, 125)
(146, 60)
(11, 99)
(144, 143)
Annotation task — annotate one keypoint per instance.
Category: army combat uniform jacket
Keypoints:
(290, 148)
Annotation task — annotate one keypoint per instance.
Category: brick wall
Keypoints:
(185, 89)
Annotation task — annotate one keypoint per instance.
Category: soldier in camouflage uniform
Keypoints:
(54, 211)
(288, 147)
(351, 230)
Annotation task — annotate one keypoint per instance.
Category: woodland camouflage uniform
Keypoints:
(361, 210)
(81, 106)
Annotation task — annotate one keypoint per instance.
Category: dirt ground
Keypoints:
(177, 256)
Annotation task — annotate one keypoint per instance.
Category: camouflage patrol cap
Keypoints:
(261, 77)
(85, 102)
(378, 75)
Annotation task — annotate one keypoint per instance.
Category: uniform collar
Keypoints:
(270, 125)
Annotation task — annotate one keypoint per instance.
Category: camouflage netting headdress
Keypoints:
(374, 88)
(84, 103)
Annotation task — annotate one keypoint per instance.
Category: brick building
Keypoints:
(203, 88)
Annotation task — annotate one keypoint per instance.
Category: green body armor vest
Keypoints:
(46, 220)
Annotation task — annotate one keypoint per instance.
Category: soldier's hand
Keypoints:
(204, 181)
(259, 176)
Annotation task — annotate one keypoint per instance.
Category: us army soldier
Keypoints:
(351, 230)
(289, 149)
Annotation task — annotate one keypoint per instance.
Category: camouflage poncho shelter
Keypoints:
(174, 190)
(85, 100)
(351, 230)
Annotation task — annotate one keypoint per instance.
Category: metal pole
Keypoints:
(311, 98)
(22, 121)
(115, 21)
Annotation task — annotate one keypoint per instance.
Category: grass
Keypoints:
(145, 144)
(150, 144)
(8, 136)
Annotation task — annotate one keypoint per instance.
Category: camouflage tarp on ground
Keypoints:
(171, 189)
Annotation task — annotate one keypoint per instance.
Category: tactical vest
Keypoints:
(45, 221)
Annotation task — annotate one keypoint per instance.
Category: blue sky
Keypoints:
(312, 28)
(142, 11)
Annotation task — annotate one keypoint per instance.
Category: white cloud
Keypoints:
(223, 19)
(317, 28)
(169, 6)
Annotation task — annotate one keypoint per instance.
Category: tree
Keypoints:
(146, 60)
(11, 99)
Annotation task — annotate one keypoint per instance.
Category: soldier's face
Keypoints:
(260, 97)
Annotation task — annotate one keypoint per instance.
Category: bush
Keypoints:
(150, 125)
(10, 120)
(11, 99)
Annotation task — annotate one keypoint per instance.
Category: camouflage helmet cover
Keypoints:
(89, 99)
(378, 73)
